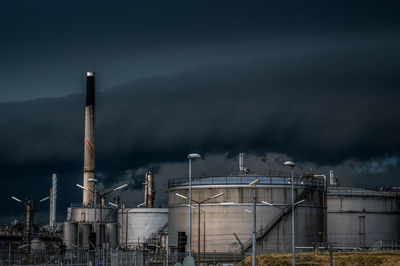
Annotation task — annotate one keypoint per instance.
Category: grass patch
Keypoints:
(339, 258)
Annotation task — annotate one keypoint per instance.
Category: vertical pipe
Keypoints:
(293, 251)
(89, 147)
(146, 190)
(253, 262)
(331, 178)
(51, 209)
(101, 222)
(190, 207)
(198, 234)
(122, 222)
(126, 229)
(204, 235)
(283, 233)
(325, 209)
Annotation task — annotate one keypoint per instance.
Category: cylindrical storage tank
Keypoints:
(84, 230)
(359, 218)
(226, 215)
(70, 234)
(89, 214)
(112, 234)
(138, 224)
(102, 233)
(38, 245)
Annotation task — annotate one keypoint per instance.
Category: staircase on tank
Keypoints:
(272, 224)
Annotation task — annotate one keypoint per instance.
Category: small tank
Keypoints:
(70, 234)
(112, 234)
(37, 245)
(103, 233)
(84, 230)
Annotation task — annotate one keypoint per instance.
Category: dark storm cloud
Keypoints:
(49, 42)
(313, 81)
(324, 107)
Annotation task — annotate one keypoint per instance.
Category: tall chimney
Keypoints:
(89, 166)
(149, 190)
(53, 202)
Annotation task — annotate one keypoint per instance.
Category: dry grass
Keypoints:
(345, 258)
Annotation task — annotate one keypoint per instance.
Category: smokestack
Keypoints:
(89, 147)
(29, 218)
(149, 190)
(53, 202)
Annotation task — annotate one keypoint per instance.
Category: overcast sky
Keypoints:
(312, 81)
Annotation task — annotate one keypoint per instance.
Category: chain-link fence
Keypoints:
(109, 258)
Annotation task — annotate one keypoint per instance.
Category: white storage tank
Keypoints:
(359, 218)
(224, 216)
(138, 224)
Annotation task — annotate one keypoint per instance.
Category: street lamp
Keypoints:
(101, 197)
(253, 185)
(291, 165)
(190, 157)
(204, 231)
(29, 207)
(113, 204)
(199, 205)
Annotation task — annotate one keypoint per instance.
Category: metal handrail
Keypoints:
(272, 178)
(261, 233)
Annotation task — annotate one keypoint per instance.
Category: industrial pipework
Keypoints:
(89, 171)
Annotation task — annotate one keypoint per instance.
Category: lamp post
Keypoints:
(204, 232)
(199, 205)
(253, 185)
(291, 165)
(101, 197)
(29, 207)
(190, 157)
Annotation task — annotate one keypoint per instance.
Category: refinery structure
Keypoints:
(215, 219)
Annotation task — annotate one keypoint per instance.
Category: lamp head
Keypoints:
(253, 183)
(193, 156)
(289, 163)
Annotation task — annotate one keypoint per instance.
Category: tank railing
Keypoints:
(89, 206)
(362, 192)
(274, 178)
(382, 189)
(385, 245)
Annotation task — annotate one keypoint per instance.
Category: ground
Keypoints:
(342, 258)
